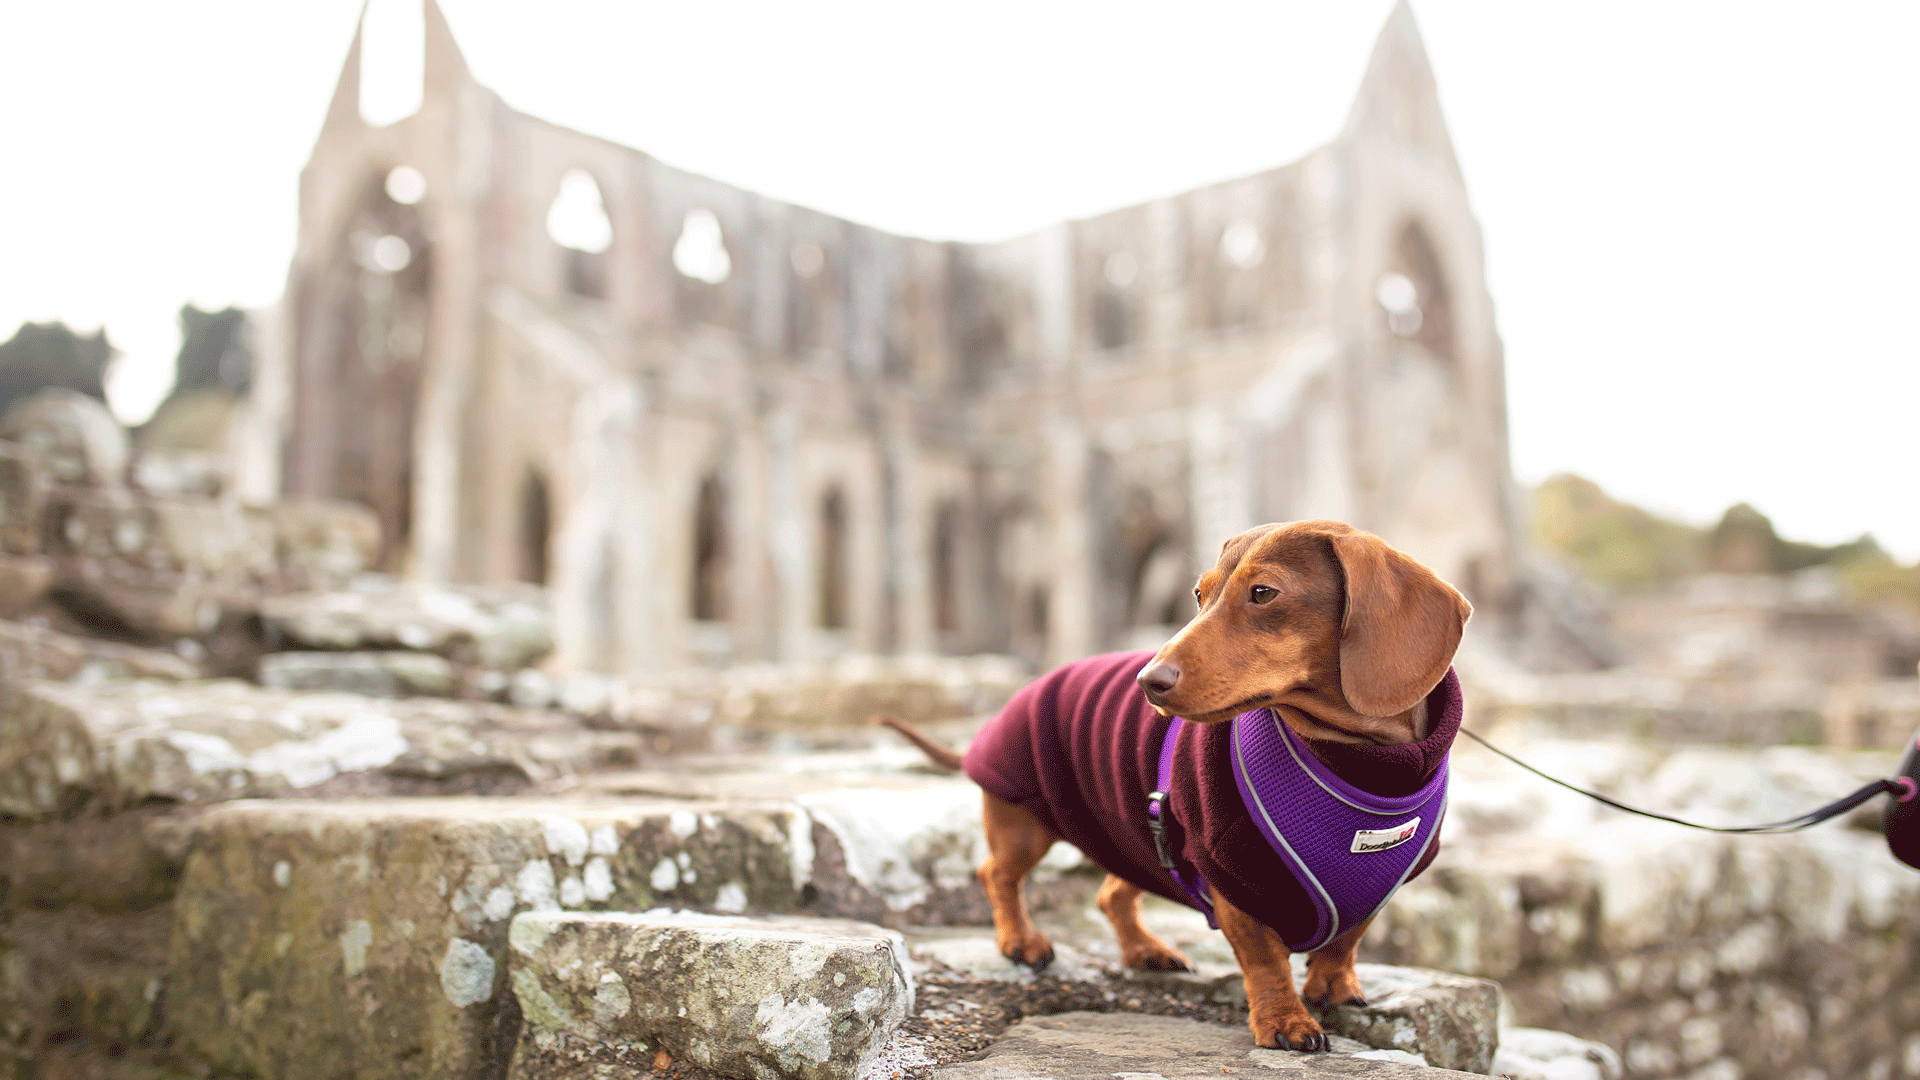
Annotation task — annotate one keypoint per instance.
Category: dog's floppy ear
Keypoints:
(1400, 629)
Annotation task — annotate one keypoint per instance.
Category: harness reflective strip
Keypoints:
(1197, 889)
(1328, 925)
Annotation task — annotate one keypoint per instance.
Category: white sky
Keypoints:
(1701, 218)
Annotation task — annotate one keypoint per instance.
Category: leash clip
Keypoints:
(1157, 825)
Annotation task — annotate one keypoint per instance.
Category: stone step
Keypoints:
(71, 747)
(820, 998)
(1102, 1046)
(810, 999)
(1447, 1020)
(370, 938)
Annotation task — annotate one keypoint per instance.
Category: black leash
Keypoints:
(1793, 824)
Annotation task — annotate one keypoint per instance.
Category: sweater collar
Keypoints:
(1401, 768)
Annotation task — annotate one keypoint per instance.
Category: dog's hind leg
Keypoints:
(1330, 977)
(1119, 899)
(1016, 842)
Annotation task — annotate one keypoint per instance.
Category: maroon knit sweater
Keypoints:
(1079, 749)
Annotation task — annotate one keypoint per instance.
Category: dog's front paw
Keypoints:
(1300, 1032)
(1033, 950)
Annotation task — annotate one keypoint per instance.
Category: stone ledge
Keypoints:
(503, 627)
(67, 747)
(1101, 1046)
(811, 999)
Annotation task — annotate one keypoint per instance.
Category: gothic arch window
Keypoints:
(1413, 295)
(709, 599)
(577, 221)
(833, 611)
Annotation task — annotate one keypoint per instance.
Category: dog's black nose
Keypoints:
(1157, 678)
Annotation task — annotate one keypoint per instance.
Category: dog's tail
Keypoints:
(944, 758)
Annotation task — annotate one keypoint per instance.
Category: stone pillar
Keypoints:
(635, 519)
(911, 569)
(752, 601)
(603, 582)
(257, 440)
(787, 543)
(1072, 627)
(1220, 486)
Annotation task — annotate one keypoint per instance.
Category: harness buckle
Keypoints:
(1157, 825)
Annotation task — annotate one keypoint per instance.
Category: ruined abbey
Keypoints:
(722, 428)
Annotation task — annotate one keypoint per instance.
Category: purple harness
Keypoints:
(1350, 850)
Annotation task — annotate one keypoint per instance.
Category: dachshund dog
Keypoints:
(1311, 634)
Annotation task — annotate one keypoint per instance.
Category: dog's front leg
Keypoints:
(1330, 977)
(1276, 1014)
(1016, 842)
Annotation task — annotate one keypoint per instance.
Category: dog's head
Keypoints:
(1317, 615)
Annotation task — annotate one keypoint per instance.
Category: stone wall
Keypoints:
(1690, 954)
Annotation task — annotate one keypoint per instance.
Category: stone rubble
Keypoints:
(82, 549)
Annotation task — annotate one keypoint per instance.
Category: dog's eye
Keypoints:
(1197, 600)
(1262, 594)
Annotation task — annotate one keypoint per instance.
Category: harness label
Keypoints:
(1381, 839)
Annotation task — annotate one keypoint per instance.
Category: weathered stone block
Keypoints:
(35, 652)
(810, 999)
(23, 496)
(497, 626)
(74, 437)
(78, 974)
(370, 938)
(322, 543)
(1538, 1054)
(167, 567)
(393, 673)
(116, 744)
(116, 864)
(1100, 1046)
(24, 582)
(1451, 1020)
(192, 473)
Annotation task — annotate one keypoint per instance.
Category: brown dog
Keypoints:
(1343, 637)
